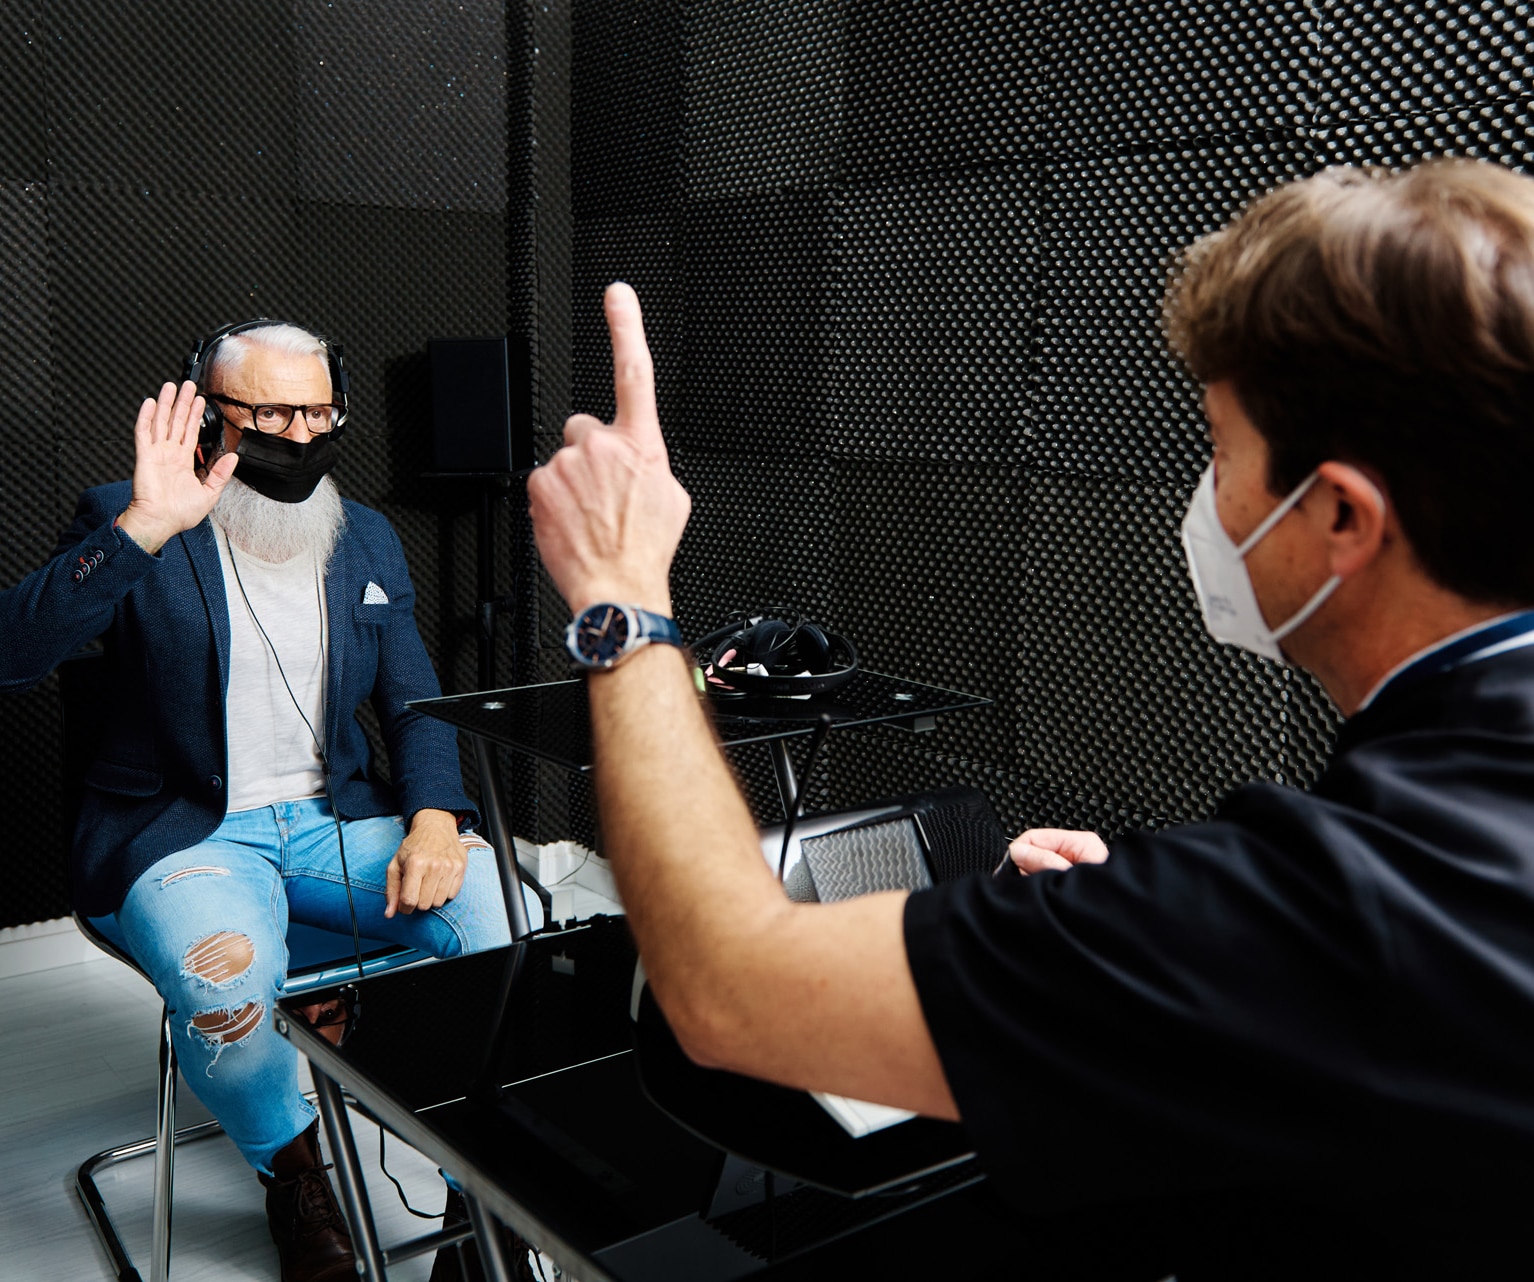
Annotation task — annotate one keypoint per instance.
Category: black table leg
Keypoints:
(500, 836)
(783, 771)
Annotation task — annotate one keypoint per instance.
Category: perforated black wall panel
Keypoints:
(1398, 59)
(1108, 400)
(344, 165)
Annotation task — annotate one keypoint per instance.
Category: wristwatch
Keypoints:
(604, 634)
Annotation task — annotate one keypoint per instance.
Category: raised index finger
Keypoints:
(633, 370)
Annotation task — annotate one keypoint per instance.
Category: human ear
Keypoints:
(1355, 512)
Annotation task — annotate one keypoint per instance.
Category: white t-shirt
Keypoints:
(272, 754)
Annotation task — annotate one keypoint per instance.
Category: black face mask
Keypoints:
(283, 470)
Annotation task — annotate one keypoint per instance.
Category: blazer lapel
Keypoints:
(201, 548)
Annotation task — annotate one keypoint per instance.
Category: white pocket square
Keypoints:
(374, 595)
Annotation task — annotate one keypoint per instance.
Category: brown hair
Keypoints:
(1386, 320)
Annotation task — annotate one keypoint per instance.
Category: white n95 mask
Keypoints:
(1218, 569)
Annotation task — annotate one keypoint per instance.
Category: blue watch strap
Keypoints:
(657, 627)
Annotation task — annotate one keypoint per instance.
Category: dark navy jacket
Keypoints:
(157, 784)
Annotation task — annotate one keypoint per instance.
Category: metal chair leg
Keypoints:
(343, 1151)
(492, 1245)
(164, 1154)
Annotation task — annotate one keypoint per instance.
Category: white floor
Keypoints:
(78, 1044)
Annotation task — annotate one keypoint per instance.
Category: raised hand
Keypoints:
(1041, 848)
(607, 512)
(168, 495)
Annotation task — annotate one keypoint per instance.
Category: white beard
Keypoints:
(276, 532)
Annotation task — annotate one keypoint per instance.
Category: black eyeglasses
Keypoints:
(275, 419)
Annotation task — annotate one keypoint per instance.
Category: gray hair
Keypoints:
(290, 340)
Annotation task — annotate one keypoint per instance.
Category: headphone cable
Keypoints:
(330, 796)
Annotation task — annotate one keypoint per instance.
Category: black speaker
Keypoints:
(481, 403)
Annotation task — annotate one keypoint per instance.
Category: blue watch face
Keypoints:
(601, 633)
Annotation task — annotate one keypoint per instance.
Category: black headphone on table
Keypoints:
(201, 356)
(798, 656)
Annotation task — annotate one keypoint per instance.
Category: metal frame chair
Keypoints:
(318, 958)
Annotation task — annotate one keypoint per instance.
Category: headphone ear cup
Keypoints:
(769, 643)
(212, 427)
(813, 649)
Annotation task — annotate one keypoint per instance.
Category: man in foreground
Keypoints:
(1310, 1014)
(245, 618)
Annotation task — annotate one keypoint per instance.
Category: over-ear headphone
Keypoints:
(792, 655)
(201, 356)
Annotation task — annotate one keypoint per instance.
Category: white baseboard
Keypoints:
(43, 945)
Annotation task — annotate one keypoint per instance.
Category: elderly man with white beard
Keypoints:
(246, 611)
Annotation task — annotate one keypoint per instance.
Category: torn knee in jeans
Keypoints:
(226, 1027)
(220, 958)
(200, 870)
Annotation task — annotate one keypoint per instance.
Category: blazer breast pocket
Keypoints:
(369, 612)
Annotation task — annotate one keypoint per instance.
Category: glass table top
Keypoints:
(552, 721)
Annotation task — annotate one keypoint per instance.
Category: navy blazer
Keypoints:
(157, 783)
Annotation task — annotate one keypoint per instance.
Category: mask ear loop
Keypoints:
(1323, 594)
(1277, 514)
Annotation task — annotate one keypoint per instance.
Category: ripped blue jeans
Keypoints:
(209, 925)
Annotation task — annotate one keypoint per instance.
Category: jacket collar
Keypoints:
(1493, 694)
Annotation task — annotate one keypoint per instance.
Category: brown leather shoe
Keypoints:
(301, 1211)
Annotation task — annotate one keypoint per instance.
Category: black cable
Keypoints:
(821, 731)
(319, 746)
(400, 1188)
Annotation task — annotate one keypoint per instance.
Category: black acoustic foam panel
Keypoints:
(1108, 399)
(402, 104)
(626, 106)
(784, 130)
(1137, 71)
(769, 521)
(217, 117)
(903, 272)
(756, 294)
(1500, 131)
(23, 50)
(1399, 59)
(933, 319)
(941, 86)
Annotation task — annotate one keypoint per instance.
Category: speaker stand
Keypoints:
(493, 486)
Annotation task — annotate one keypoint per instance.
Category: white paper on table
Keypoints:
(858, 1117)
